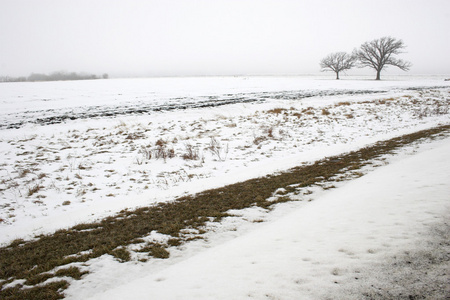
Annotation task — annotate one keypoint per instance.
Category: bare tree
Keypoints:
(378, 54)
(337, 62)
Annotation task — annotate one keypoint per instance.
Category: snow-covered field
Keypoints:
(342, 245)
(74, 152)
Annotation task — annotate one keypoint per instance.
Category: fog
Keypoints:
(220, 37)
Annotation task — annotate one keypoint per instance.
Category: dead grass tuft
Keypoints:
(33, 189)
(156, 250)
(277, 111)
(308, 111)
(73, 272)
(218, 149)
(121, 254)
(325, 112)
(192, 153)
(24, 172)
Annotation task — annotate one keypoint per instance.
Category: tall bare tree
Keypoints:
(378, 54)
(337, 62)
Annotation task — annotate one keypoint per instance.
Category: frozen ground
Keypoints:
(57, 175)
(73, 152)
(52, 103)
(381, 236)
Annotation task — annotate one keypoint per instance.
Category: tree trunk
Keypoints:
(378, 75)
(337, 75)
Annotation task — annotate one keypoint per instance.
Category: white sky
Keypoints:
(213, 37)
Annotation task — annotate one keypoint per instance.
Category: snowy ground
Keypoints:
(73, 152)
(335, 247)
(57, 175)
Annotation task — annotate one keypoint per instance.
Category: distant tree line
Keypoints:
(55, 76)
(377, 54)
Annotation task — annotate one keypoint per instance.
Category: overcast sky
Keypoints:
(213, 37)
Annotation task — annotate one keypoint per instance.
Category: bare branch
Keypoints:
(337, 62)
(378, 54)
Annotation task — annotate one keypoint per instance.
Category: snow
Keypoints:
(73, 152)
(28, 96)
(58, 175)
(310, 252)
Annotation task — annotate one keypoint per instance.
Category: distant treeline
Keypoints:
(55, 76)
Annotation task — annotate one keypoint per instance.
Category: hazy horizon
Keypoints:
(214, 38)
